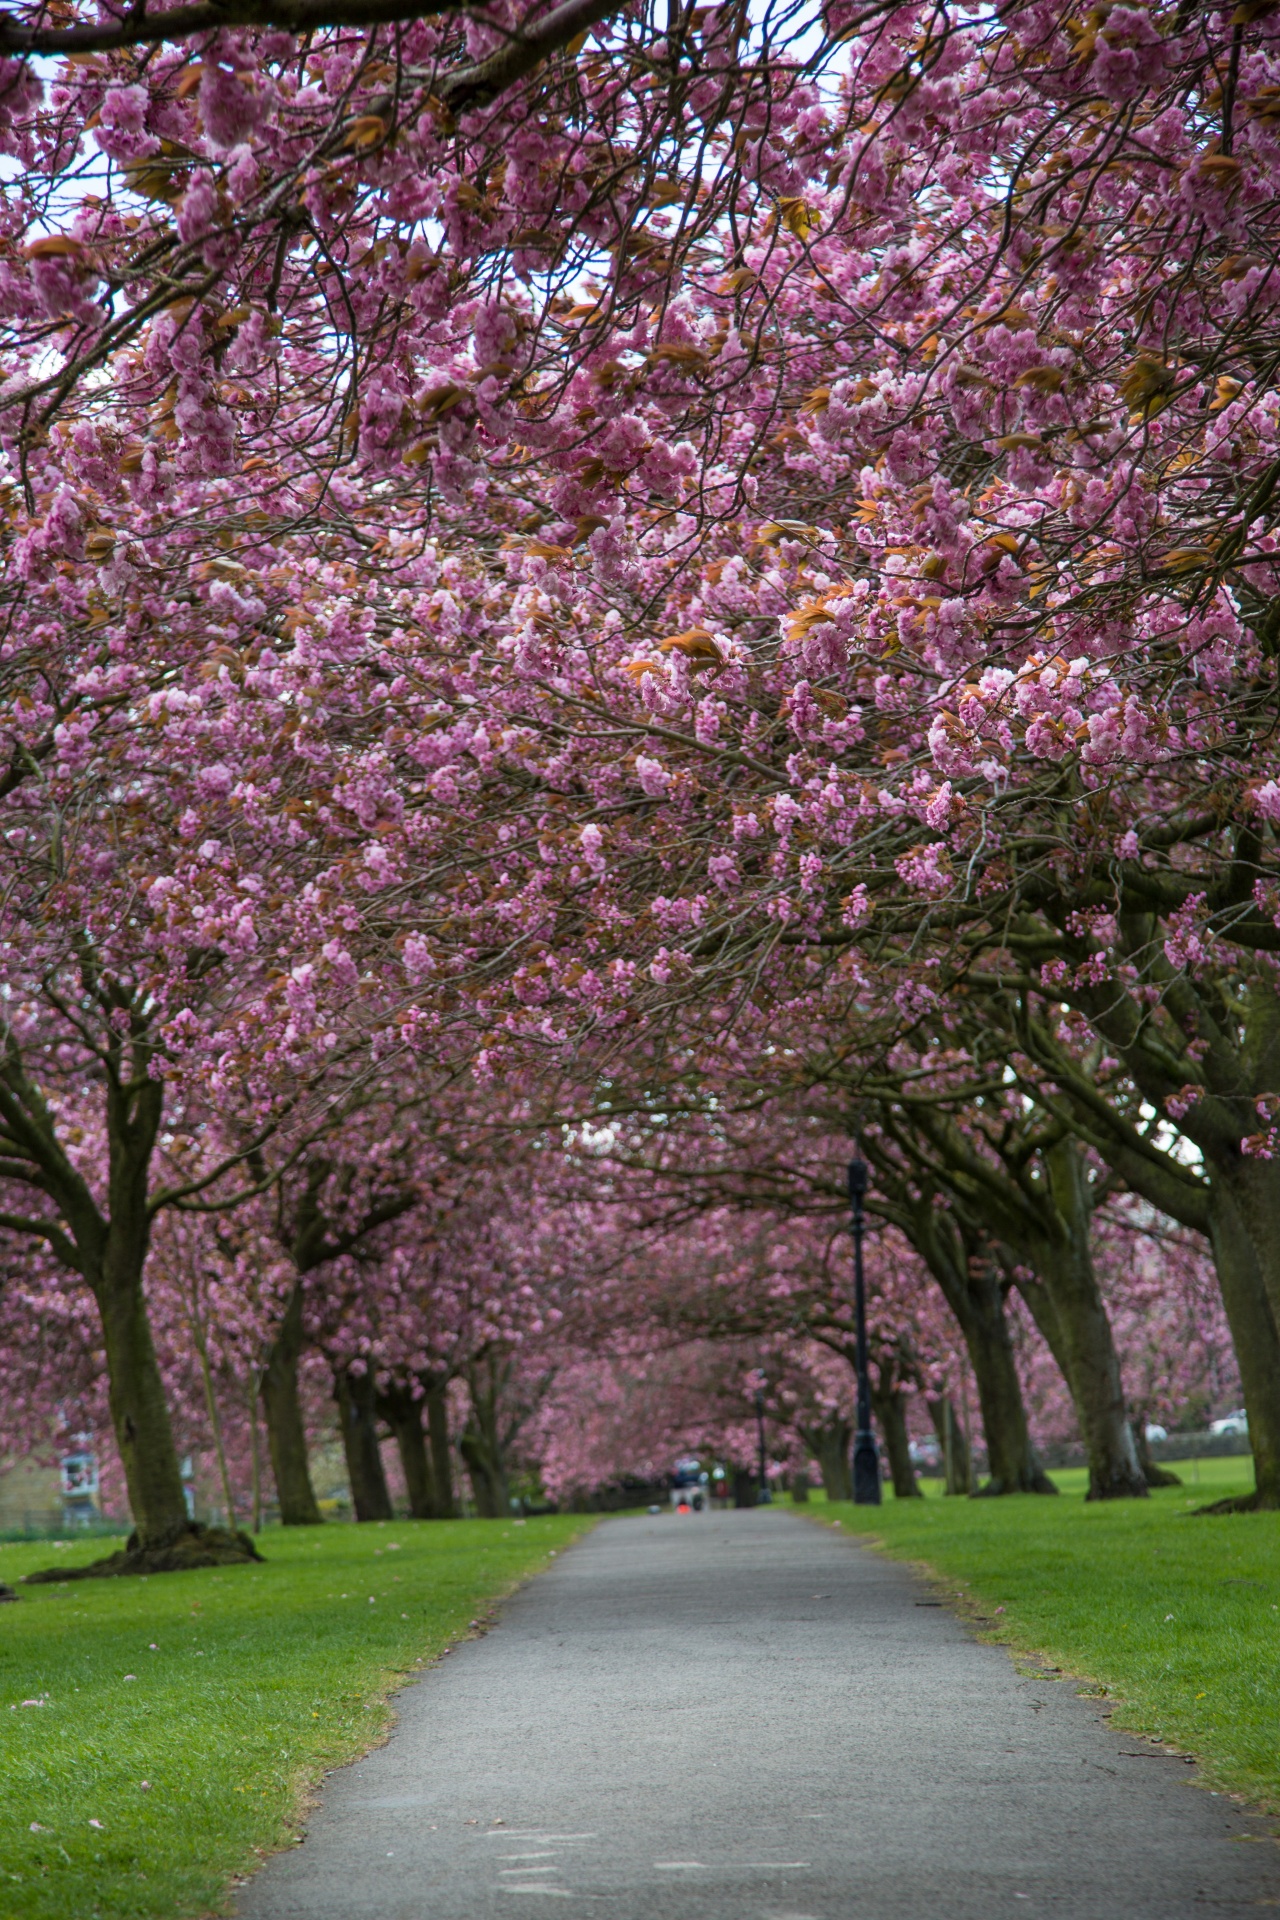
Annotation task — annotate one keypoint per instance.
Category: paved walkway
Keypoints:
(742, 1717)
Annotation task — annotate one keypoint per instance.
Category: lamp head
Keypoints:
(859, 1174)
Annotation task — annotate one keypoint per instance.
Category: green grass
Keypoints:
(1175, 1615)
(258, 1680)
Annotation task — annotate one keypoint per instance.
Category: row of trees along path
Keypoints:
(670, 575)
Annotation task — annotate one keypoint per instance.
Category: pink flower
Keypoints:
(653, 776)
(856, 907)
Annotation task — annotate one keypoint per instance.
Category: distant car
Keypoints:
(1231, 1423)
(1154, 1433)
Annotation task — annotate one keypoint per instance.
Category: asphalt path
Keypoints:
(743, 1716)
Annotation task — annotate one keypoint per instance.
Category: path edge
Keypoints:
(307, 1784)
(963, 1599)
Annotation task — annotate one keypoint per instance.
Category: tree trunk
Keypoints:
(800, 1487)
(1070, 1302)
(1241, 1210)
(488, 1481)
(446, 1506)
(481, 1444)
(1247, 1305)
(970, 1283)
(404, 1416)
(1078, 1334)
(357, 1415)
(136, 1397)
(831, 1447)
(255, 1463)
(1232, 1230)
(1154, 1474)
(891, 1411)
(139, 1412)
(286, 1433)
(1013, 1465)
(957, 1468)
(215, 1418)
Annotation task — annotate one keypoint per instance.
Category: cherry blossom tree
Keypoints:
(520, 543)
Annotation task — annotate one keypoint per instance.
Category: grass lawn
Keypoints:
(1176, 1615)
(180, 1720)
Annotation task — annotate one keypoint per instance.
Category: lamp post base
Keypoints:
(866, 1470)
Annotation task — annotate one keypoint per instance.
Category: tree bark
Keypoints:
(139, 1411)
(831, 1446)
(286, 1431)
(971, 1286)
(357, 1415)
(486, 1438)
(1246, 1302)
(1013, 1465)
(1082, 1342)
(110, 1252)
(488, 1481)
(1210, 1207)
(1234, 1198)
(403, 1415)
(1078, 1335)
(957, 1468)
(310, 1239)
(891, 1411)
(446, 1506)
(1213, 1209)
(1152, 1472)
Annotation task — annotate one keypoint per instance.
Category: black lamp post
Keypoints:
(866, 1459)
(764, 1497)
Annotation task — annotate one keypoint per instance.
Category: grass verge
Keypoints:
(1174, 1614)
(182, 1719)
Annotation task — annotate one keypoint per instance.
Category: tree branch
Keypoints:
(468, 87)
(476, 86)
(61, 1244)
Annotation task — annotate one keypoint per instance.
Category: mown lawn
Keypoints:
(1175, 1614)
(158, 1735)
